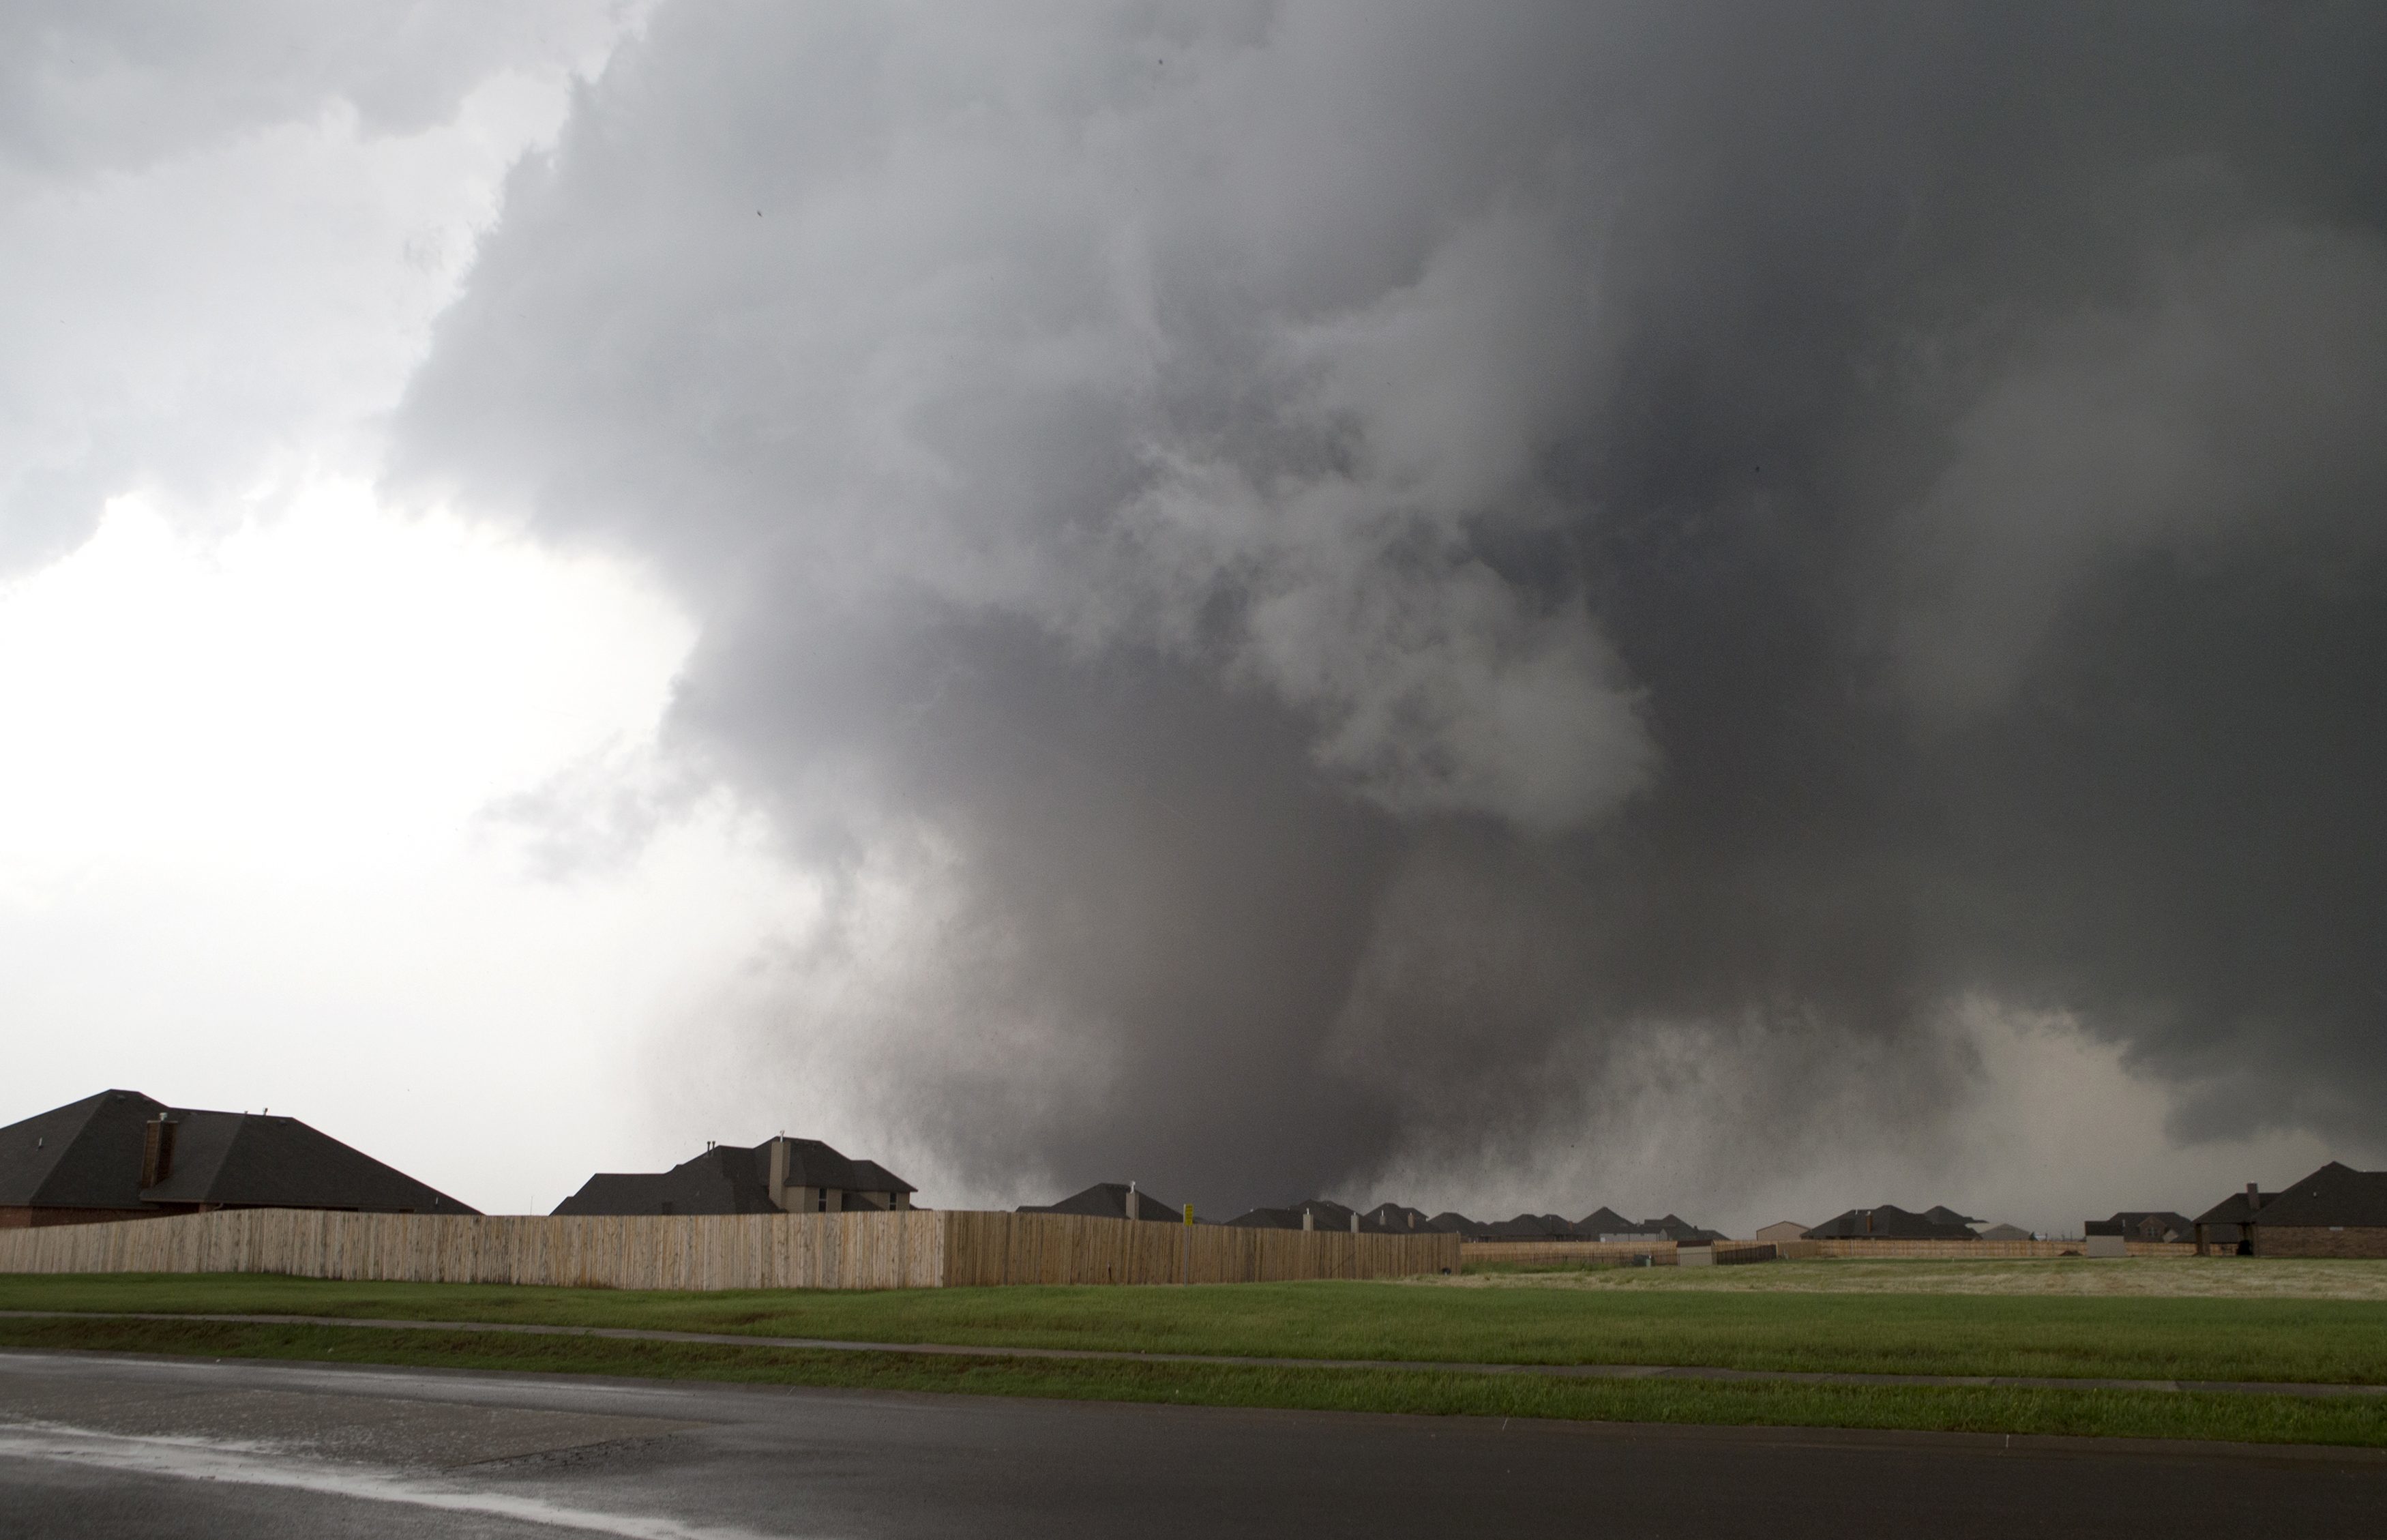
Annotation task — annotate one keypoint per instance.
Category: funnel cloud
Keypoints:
(1343, 595)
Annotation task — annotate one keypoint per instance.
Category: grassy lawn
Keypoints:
(2183, 1277)
(1915, 1333)
(2357, 1421)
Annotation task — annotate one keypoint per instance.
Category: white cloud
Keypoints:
(247, 861)
(2011, 1114)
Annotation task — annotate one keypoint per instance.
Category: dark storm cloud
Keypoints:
(1339, 561)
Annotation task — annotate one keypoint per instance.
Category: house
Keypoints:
(1394, 1216)
(1111, 1200)
(122, 1156)
(1941, 1213)
(2222, 1229)
(2006, 1233)
(2337, 1211)
(778, 1176)
(1315, 1214)
(1888, 1223)
(1682, 1232)
(1450, 1222)
(1604, 1222)
(2157, 1224)
(2105, 1238)
(1781, 1230)
(1534, 1227)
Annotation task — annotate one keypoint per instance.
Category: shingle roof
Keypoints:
(2233, 1209)
(871, 1177)
(728, 1178)
(84, 1155)
(88, 1154)
(1888, 1223)
(1395, 1217)
(1603, 1221)
(247, 1160)
(1534, 1227)
(2336, 1194)
(2154, 1224)
(1107, 1200)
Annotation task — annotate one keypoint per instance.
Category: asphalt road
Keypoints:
(93, 1444)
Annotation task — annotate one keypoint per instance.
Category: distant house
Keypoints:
(2337, 1211)
(1322, 1214)
(1534, 1227)
(778, 1176)
(1398, 1218)
(1111, 1200)
(1941, 1213)
(1450, 1222)
(1682, 1232)
(1781, 1230)
(122, 1156)
(2005, 1233)
(1605, 1220)
(2155, 1224)
(1888, 1223)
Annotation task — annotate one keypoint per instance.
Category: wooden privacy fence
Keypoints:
(914, 1250)
(1978, 1251)
(1071, 1248)
(1590, 1254)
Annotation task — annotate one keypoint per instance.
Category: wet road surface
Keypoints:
(102, 1444)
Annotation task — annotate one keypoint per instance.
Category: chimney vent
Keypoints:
(157, 1151)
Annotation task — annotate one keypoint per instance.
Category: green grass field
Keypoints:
(2351, 1421)
(1694, 1323)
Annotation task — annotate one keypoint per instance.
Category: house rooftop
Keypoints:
(91, 1154)
(2336, 1195)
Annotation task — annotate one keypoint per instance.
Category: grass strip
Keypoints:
(2138, 1414)
(2336, 1341)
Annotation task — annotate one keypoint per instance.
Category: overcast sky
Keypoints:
(1734, 610)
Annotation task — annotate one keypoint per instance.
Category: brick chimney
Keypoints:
(157, 1151)
(2254, 1197)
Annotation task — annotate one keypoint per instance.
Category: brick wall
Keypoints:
(2299, 1240)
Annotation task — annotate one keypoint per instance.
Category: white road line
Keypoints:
(197, 1459)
